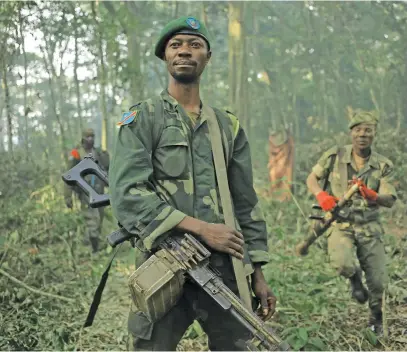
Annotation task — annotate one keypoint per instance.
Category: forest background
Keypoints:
(299, 66)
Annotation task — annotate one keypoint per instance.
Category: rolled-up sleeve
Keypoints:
(387, 181)
(321, 168)
(135, 203)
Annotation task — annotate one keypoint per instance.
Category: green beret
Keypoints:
(361, 116)
(187, 25)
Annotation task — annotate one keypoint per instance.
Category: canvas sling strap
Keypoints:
(225, 197)
(342, 170)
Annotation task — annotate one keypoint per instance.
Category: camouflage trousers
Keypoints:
(93, 221)
(353, 247)
(224, 332)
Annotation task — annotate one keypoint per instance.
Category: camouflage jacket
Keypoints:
(377, 175)
(162, 170)
(74, 158)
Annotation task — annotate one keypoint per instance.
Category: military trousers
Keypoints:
(93, 221)
(224, 332)
(352, 247)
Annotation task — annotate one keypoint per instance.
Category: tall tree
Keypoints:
(101, 76)
(238, 96)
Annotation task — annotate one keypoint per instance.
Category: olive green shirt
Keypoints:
(162, 170)
(377, 174)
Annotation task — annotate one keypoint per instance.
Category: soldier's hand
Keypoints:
(223, 239)
(326, 201)
(365, 191)
(264, 294)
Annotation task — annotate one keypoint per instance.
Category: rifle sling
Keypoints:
(225, 197)
(342, 170)
(330, 168)
(99, 291)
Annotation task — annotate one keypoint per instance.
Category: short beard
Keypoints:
(185, 78)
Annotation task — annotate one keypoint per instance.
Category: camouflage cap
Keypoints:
(361, 116)
(88, 132)
(186, 25)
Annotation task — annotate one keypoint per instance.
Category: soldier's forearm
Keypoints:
(385, 200)
(312, 184)
(191, 225)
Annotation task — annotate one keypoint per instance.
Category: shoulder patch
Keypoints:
(128, 117)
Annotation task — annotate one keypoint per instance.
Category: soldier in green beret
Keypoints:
(162, 181)
(93, 216)
(355, 241)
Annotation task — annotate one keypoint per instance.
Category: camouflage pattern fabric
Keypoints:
(162, 170)
(361, 116)
(377, 175)
(93, 220)
(224, 332)
(347, 243)
(358, 238)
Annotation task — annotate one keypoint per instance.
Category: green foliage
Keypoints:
(320, 58)
(41, 244)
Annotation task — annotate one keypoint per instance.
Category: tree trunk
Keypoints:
(101, 79)
(8, 107)
(235, 34)
(134, 59)
(62, 90)
(26, 108)
(50, 69)
(404, 91)
(237, 64)
(75, 71)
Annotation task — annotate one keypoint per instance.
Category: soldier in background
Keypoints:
(355, 243)
(93, 216)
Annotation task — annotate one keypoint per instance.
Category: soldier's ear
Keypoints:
(208, 56)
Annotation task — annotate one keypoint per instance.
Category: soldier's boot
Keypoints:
(359, 292)
(376, 321)
(95, 244)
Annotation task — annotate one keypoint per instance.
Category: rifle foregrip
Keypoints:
(119, 236)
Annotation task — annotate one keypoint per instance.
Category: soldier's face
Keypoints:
(363, 135)
(186, 57)
(89, 141)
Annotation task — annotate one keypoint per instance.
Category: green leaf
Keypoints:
(299, 344)
(370, 336)
(303, 334)
(317, 344)
(14, 237)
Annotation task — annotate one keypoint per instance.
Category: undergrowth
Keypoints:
(48, 276)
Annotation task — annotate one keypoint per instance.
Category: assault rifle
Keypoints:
(325, 221)
(176, 257)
